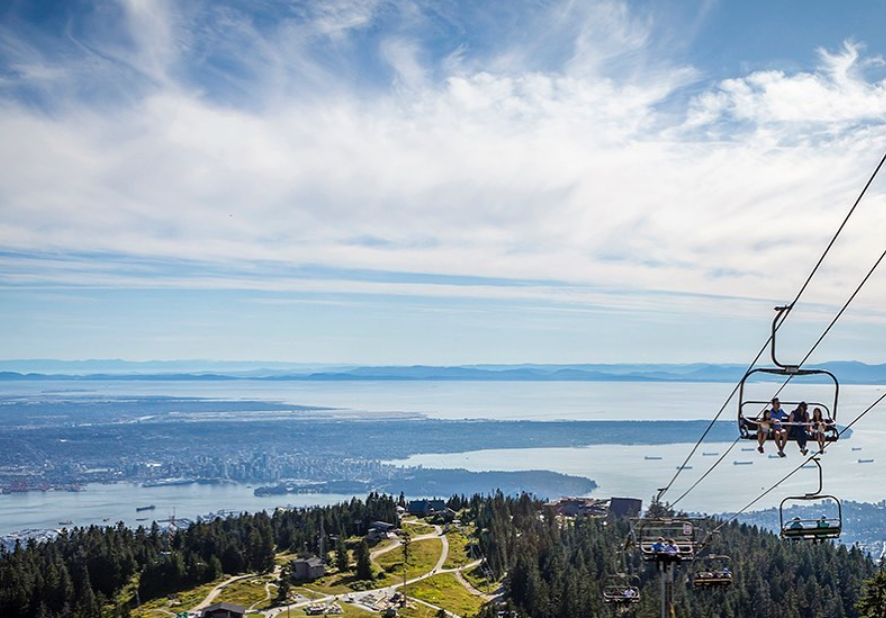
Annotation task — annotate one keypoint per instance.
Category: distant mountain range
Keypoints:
(848, 372)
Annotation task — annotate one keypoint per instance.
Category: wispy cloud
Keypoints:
(534, 141)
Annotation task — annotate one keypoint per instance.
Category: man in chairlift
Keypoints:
(779, 433)
(669, 555)
(796, 524)
(822, 524)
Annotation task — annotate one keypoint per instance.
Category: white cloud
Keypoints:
(459, 167)
(836, 94)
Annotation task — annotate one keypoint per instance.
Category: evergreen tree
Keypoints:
(341, 554)
(873, 601)
(406, 542)
(364, 564)
(284, 587)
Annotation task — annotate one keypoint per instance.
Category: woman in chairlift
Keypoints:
(799, 421)
(819, 427)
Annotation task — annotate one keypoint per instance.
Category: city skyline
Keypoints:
(396, 182)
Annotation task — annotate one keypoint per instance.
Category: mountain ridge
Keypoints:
(848, 372)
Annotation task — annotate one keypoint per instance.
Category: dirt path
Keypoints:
(218, 590)
(436, 534)
(445, 553)
(267, 595)
(367, 600)
(469, 586)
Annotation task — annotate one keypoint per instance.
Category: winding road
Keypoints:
(368, 599)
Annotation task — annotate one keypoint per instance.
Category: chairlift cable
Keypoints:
(845, 306)
(802, 289)
(681, 467)
(705, 475)
(805, 358)
(839, 230)
(795, 470)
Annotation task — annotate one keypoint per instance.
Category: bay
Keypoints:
(618, 469)
(107, 504)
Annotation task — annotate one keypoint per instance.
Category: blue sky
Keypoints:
(396, 182)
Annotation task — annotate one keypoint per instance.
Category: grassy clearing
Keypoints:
(336, 583)
(383, 545)
(416, 610)
(477, 579)
(246, 592)
(423, 557)
(354, 610)
(445, 591)
(307, 592)
(416, 527)
(284, 558)
(458, 550)
(175, 602)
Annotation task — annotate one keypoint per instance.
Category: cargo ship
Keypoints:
(150, 507)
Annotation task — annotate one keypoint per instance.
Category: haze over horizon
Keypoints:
(395, 182)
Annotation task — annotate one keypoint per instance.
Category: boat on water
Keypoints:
(66, 522)
(709, 454)
(865, 461)
(150, 507)
(684, 467)
(742, 463)
(652, 457)
(748, 448)
(141, 519)
(856, 448)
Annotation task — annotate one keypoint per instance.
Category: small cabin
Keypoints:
(223, 610)
(307, 568)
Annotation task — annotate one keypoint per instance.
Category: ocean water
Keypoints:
(619, 470)
(468, 400)
(107, 504)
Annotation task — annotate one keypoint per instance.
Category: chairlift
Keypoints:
(817, 530)
(712, 572)
(621, 589)
(750, 411)
(652, 535)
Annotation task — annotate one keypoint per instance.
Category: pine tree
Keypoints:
(284, 587)
(873, 601)
(364, 564)
(341, 554)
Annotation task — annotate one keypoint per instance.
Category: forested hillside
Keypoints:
(82, 573)
(550, 567)
(557, 569)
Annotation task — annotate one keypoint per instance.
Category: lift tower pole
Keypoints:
(666, 570)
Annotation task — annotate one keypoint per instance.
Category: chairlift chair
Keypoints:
(712, 572)
(620, 589)
(750, 411)
(817, 530)
(685, 532)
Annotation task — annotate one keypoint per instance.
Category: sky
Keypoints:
(439, 182)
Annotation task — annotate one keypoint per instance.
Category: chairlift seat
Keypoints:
(709, 579)
(621, 594)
